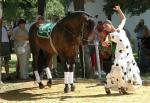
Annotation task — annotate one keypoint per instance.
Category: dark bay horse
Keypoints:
(66, 37)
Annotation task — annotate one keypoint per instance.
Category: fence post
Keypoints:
(96, 43)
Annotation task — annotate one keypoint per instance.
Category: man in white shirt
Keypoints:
(5, 48)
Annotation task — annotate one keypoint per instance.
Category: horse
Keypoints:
(66, 37)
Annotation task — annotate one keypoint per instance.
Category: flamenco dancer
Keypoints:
(124, 74)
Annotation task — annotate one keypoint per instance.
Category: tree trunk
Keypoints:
(1, 12)
(1, 8)
(78, 5)
(41, 7)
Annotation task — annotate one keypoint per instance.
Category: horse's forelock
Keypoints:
(91, 24)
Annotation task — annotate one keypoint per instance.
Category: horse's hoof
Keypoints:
(73, 88)
(41, 86)
(107, 90)
(49, 83)
(66, 89)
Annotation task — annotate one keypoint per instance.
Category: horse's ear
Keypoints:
(96, 16)
(91, 24)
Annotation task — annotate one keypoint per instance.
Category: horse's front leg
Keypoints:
(69, 76)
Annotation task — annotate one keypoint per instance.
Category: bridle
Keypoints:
(81, 32)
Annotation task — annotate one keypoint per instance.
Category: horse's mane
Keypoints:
(78, 12)
(75, 13)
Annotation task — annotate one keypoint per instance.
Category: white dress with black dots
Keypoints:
(124, 72)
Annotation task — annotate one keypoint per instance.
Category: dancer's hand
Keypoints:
(117, 8)
(106, 44)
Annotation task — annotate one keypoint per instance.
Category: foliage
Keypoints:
(28, 9)
(19, 9)
(55, 7)
(133, 7)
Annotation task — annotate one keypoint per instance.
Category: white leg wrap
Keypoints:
(71, 75)
(66, 77)
(37, 76)
(48, 73)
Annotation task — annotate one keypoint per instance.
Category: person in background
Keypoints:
(142, 33)
(104, 52)
(124, 74)
(5, 48)
(22, 48)
(94, 39)
(141, 30)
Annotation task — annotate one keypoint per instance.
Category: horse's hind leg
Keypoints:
(36, 73)
(41, 86)
(48, 71)
(49, 76)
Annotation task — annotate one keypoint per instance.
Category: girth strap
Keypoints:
(52, 45)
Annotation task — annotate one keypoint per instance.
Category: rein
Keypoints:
(82, 33)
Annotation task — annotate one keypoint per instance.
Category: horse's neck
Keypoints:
(74, 27)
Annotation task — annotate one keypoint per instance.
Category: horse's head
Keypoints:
(87, 28)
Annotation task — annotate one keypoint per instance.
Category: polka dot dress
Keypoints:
(124, 72)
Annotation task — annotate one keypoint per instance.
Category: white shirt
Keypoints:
(4, 35)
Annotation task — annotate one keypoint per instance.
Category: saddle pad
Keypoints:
(45, 30)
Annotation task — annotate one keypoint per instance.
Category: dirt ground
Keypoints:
(87, 91)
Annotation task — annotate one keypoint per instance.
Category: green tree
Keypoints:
(132, 7)
(55, 7)
(19, 8)
(30, 8)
